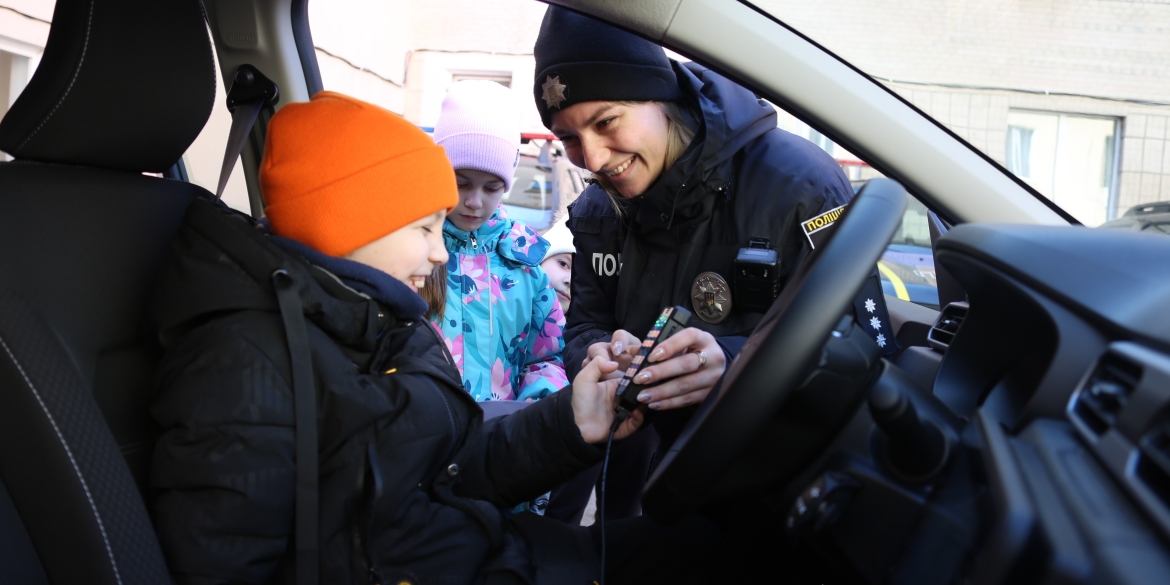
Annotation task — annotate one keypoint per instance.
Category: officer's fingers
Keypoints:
(690, 339)
(695, 380)
(675, 366)
(680, 401)
(710, 358)
(624, 342)
(682, 391)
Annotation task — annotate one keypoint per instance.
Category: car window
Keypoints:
(907, 266)
(1071, 97)
(404, 60)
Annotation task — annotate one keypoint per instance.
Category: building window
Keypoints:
(1107, 169)
(501, 77)
(1019, 151)
(821, 140)
(1068, 158)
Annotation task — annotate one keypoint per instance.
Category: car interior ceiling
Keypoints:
(1022, 434)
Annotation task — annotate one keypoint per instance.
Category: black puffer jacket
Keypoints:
(740, 178)
(411, 481)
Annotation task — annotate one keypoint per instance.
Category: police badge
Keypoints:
(554, 91)
(711, 297)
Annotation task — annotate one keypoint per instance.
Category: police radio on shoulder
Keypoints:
(671, 321)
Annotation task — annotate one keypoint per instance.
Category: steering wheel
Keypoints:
(779, 356)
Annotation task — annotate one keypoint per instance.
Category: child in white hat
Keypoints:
(558, 262)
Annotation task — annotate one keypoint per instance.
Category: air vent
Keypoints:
(946, 326)
(1106, 392)
(1153, 463)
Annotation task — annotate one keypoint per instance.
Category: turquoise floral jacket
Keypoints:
(502, 321)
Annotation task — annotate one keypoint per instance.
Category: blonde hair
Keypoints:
(679, 135)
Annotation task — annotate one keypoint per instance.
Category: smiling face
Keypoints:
(479, 196)
(559, 268)
(409, 253)
(626, 143)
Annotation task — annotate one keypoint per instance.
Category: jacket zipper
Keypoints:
(474, 248)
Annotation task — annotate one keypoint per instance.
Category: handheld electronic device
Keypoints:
(671, 321)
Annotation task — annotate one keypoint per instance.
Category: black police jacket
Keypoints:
(412, 482)
(741, 177)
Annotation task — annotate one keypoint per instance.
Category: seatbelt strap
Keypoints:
(249, 93)
(243, 118)
(305, 411)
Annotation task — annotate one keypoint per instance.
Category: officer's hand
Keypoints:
(621, 348)
(594, 400)
(690, 362)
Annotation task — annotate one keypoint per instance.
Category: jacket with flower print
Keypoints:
(502, 321)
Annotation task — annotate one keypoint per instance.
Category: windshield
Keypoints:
(1072, 96)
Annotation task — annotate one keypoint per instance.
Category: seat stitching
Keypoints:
(80, 62)
(211, 45)
(72, 461)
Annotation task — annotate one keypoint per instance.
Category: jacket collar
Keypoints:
(401, 300)
(512, 240)
(486, 237)
(730, 117)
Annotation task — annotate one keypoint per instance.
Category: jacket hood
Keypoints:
(730, 118)
(223, 261)
(512, 240)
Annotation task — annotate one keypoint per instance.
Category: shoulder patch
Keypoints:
(817, 229)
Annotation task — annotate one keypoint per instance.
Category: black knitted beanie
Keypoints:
(580, 59)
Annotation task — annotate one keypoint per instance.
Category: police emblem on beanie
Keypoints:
(582, 59)
(554, 91)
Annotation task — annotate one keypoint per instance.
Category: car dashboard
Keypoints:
(1055, 376)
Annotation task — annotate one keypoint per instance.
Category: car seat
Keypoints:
(123, 88)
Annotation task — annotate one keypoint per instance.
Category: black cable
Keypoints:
(1140, 102)
(618, 417)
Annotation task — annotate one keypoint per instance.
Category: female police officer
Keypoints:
(689, 169)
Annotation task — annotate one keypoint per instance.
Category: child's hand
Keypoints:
(594, 400)
(621, 348)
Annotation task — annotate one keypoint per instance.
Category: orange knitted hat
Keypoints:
(339, 173)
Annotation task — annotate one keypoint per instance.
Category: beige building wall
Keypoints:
(402, 54)
(968, 64)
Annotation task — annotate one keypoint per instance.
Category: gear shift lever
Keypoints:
(914, 446)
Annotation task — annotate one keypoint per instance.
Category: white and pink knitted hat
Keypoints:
(479, 127)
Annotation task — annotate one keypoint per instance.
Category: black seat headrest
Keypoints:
(122, 84)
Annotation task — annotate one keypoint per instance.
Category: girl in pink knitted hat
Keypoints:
(501, 319)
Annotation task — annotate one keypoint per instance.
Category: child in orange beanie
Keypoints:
(314, 424)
